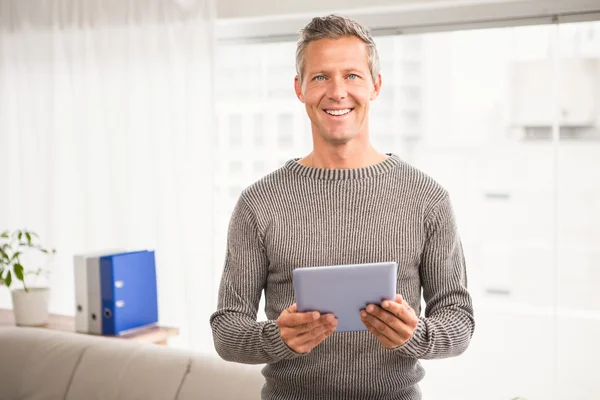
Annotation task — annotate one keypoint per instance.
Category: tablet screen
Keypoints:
(344, 290)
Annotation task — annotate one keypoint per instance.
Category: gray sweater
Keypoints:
(300, 216)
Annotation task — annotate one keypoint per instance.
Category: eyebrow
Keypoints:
(323, 72)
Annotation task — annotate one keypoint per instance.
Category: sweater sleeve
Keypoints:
(237, 335)
(448, 324)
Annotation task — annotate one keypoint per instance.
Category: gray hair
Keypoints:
(336, 27)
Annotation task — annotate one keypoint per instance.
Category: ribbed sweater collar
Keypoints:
(380, 168)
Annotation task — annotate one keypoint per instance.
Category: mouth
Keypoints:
(339, 113)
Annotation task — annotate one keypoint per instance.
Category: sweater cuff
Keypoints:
(276, 345)
(414, 346)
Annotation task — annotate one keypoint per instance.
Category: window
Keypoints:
(259, 138)
(477, 111)
(285, 137)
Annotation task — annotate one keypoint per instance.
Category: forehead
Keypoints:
(347, 52)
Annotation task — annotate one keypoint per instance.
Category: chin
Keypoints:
(338, 139)
(341, 137)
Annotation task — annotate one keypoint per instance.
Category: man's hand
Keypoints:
(393, 324)
(304, 331)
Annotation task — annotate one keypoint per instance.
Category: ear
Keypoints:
(298, 88)
(376, 87)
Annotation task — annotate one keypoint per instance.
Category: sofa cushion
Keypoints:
(211, 378)
(41, 364)
(34, 369)
(118, 369)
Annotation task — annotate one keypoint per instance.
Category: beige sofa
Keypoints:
(39, 364)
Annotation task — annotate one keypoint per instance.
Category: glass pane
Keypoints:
(578, 212)
(261, 123)
(475, 110)
(455, 108)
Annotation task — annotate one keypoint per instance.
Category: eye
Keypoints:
(352, 76)
(319, 78)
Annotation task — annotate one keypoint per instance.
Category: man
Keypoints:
(344, 203)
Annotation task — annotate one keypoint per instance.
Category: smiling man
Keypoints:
(344, 203)
(337, 85)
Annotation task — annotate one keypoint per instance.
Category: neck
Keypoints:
(343, 156)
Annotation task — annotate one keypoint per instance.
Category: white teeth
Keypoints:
(338, 112)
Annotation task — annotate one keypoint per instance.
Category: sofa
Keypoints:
(40, 364)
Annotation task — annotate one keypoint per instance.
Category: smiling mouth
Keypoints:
(339, 113)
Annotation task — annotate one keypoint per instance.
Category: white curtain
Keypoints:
(106, 135)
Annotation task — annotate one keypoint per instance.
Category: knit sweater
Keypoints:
(300, 216)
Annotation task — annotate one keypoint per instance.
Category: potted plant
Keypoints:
(30, 303)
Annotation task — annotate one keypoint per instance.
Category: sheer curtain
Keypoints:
(106, 135)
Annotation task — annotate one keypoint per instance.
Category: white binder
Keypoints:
(86, 268)
(81, 295)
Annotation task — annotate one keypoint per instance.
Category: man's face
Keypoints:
(337, 88)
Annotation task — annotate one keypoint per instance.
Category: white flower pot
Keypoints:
(31, 308)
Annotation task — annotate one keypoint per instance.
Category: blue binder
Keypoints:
(129, 293)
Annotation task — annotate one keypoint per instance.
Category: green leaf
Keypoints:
(8, 279)
(16, 255)
(19, 235)
(4, 235)
(28, 236)
(18, 271)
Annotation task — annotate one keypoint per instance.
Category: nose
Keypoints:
(337, 89)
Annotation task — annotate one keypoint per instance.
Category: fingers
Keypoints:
(405, 303)
(385, 326)
(327, 320)
(304, 322)
(314, 343)
(393, 323)
(303, 331)
(399, 299)
(290, 318)
(401, 310)
(385, 341)
(305, 342)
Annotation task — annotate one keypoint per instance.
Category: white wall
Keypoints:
(281, 20)
(260, 8)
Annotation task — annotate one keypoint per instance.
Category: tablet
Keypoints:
(344, 290)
